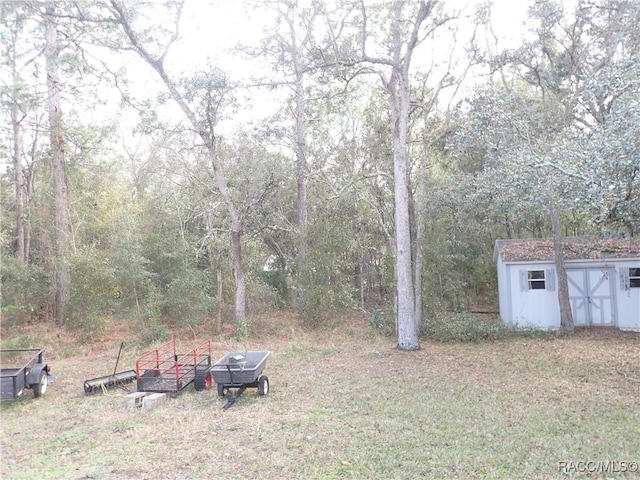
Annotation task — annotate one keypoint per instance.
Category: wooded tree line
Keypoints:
(403, 139)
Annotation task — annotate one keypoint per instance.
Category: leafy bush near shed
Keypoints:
(463, 327)
(535, 332)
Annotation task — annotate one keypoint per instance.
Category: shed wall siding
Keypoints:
(628, 299)
(532, 308)
(504, 293)
(540, 308)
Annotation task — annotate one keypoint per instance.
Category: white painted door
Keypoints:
(577, 297)
(590, 296)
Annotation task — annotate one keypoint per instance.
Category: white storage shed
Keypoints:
(603, 277)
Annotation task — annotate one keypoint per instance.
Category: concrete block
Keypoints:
(134, 399)
(152, 401)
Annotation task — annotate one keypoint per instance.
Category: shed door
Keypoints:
(590, 295)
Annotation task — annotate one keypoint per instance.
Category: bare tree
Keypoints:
(292, 49)
(204, 126)
(296, 49)
(397, 85)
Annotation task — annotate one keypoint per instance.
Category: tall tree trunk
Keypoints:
(219, 306)
(300, 145)
(301, 174)
(236, 222)
(62, 224)
(407, 327)
(19, 182)
(399, 98)
(238, 275)
(29, 189)
(12, 19)
(566, 316)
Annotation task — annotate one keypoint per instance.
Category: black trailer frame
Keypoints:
(32, 373)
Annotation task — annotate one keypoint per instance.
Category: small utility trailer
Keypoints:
(164, 370)
(240, 370)
(23, 368)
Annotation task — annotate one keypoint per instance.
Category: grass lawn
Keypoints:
(344, 403)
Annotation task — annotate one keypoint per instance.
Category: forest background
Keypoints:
(207, 161)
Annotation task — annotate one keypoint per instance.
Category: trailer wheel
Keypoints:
(263, 385)
(40, 388)
(222, 390)
(202, 380)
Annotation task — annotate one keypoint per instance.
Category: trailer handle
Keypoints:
(118, 359)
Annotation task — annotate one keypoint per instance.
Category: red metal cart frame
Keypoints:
(165, 370)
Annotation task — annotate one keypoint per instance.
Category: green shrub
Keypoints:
(325, 291)
(21, 341)
(68, 351)
(536, 332)
(382, 321)
(25, 289)
(187, 299)
(13, 314)
(276, 287)
(325, 287)
(91, 325)
(93, 295)
(152, 333)
(243, 329)
(134, 285)
(320, 302)
(261, 295)
(463, 327)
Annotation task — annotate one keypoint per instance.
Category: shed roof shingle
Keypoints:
(574, 249)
